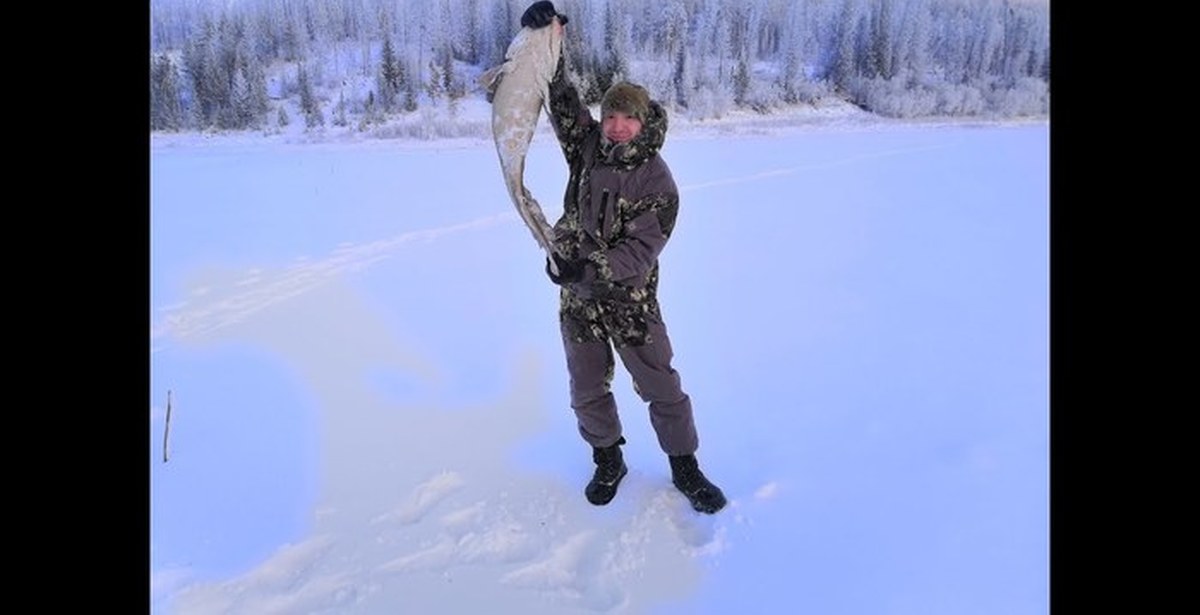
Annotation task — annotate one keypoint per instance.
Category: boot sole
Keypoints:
(708, 510)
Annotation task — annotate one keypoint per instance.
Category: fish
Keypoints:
(519, 88)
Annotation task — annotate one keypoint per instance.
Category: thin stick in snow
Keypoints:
(167, 429)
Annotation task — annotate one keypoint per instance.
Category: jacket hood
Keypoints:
(642, 147)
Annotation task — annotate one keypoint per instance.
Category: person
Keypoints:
(619, 210)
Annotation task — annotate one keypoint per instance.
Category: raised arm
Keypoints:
(571, 119)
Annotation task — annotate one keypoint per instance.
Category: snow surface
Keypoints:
(369, 405)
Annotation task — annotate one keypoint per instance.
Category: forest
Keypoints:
(236, 65)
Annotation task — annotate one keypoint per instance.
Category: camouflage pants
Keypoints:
(589, 337)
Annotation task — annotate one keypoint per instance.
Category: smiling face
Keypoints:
(619, 127)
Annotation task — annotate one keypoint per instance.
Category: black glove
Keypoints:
(540, 14)
(568, 271)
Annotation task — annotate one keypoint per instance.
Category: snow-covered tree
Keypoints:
(339, 111)
(201, 64)
(496, 32)
(913, 45)
(755, 52)
(252, 92)
(434, 87)
(676, 47)
(309, 104)
(391, 76)
(166, 112)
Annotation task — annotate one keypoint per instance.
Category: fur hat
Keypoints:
(628, 98)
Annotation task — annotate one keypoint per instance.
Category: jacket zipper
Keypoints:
(604, 213)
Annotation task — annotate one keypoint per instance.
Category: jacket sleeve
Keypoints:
(634, 254)
(569, 116)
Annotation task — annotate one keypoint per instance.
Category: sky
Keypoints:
(359, 351)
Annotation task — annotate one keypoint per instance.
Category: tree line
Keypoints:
(235, 65)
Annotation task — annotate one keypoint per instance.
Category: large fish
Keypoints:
(519, 89)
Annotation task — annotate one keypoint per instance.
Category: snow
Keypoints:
(369, 406)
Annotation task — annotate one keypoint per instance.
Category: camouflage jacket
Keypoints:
(618, 213)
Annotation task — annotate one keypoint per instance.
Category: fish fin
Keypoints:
(490, 79)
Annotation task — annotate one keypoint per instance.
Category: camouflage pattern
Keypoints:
(618, 213)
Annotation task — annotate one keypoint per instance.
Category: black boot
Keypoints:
(610, 469)
(704, 496)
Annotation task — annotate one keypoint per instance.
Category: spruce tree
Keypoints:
(410, 96)
(241, 109)
(741, 80)
(166, 112)
(309, 104)
(433, 87)
(391, 75)
(450, 83)
(339, 111)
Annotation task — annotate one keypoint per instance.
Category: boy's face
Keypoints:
(620, 128)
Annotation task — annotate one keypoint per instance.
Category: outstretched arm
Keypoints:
(570, 117)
